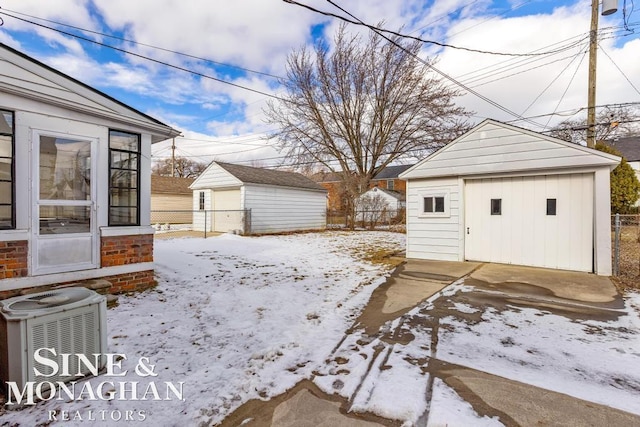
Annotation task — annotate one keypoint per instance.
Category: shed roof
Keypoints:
(170, 185)
(629, 147)
(495, 147)
(252, 175)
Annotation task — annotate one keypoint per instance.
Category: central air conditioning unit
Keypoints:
(70, 320)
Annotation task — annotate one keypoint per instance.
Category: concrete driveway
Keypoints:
(416, 283)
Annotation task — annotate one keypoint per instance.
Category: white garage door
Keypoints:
(542, 221)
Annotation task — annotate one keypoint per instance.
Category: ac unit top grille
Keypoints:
(27, 306)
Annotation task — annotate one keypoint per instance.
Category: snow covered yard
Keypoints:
(233, 318)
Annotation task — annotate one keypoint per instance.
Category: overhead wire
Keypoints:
(187, 55)
(157, 61)
(619, 69)
(566, 89)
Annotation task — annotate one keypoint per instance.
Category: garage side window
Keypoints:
(124, 178)
(496, 206)
(551, 207)
(201, 205)
(7, 216)
(434, 205)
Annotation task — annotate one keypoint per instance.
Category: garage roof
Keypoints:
(496, 147)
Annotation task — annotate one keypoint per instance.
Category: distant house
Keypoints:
(379, 205)
(629, 147)
(171, 200)
(75, 176)
(387, 178)
(256, 200)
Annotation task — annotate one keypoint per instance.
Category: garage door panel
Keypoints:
(524, 233)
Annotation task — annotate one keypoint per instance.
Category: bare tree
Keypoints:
(361, 105)
(185, 168)
(610, 122)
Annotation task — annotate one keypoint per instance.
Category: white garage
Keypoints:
(229, 197)
(504, 194)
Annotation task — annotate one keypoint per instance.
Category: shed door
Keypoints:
(64, 231)
(542, 221)
(227, 215)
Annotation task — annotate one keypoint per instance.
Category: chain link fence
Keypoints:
(367, 219)
(626, 249)
(200, 223)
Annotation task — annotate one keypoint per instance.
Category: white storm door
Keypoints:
(64, 187)
(541, 221)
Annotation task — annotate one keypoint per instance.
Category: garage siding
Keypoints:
(278, 209)
(435, 238)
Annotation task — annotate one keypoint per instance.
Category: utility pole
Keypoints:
(593, 53)
(608, 7)
(173, 157)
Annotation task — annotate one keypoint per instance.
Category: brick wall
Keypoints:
(118, 250)
(121, 250)
(13, 259)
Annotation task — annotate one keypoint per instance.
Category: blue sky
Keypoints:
(225, 122)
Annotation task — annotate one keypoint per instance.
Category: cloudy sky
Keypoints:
(246, 42)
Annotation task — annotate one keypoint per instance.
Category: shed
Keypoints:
(503, 194)
(171, 200)
(231, 197)
(74, 181)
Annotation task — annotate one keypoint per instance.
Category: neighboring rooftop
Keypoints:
(171, 185)
(629, 147)
(391, 172)
(248, 174)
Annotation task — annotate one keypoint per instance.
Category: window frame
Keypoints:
(138, 175)
(392, 186)
(12, 226)
(446, 213)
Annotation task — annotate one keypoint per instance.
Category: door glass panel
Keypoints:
(126, 179)
(5, 216)
(6, 149)
(123, 141)
(124, 197)
(65, 219)
(5, 193)
(5, 169)
(65, 169)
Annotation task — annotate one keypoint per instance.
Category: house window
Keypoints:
(496, 206)
(390, 184)
(201, 200)
(7, 190)
(551, 207)
(433, 204)
(124, 179)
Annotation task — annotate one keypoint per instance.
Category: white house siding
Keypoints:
(277, 209)
(435, 238)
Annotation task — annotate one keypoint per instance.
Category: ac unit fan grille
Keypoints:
(74, 334)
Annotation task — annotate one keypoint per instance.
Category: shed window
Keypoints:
(7, 189)
(124, 178)
(201, 205)
(496, 206)
(551, 207)
(433, 204)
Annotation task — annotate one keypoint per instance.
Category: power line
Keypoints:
(374, 28)
(430, 66)
(157, 61)
(621, 72)
(84, 30)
